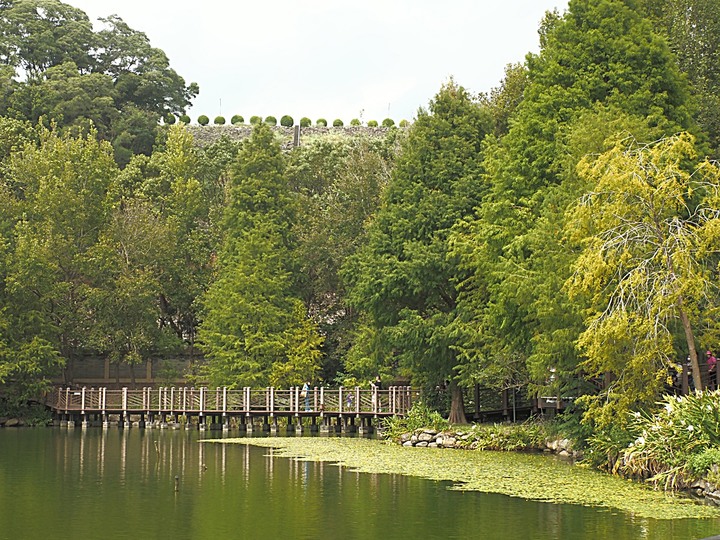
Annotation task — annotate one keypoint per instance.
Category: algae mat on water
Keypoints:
(530, 476)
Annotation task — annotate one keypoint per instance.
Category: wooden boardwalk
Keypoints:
(223, 408)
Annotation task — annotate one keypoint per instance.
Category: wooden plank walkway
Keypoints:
(160, 406)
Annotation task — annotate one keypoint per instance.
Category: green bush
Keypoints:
(185, 119)
(203, 120)
(219, 121)
(372, 123)
(404, 123)
(255, 120)
(419, 416)
(271, 121)
(169, 119)
(355, 122)
(700, 464)
(388, 122)
(305, 122)
(530, 435)
(236, 120)
(671, 446)
(287, 121)
(338, 123)
(321, 122)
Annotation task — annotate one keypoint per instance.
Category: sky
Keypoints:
(368, 59)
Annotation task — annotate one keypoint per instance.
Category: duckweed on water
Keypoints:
(535, 477)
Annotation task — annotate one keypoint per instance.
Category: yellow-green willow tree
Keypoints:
(650, 229)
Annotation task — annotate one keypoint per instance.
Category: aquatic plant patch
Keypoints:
(534, 477)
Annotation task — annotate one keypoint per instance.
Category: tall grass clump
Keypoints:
(674, 445)
(530, 435)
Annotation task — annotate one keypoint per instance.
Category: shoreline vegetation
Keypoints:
(530, 476)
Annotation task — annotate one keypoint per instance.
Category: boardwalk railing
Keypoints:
(320, 401)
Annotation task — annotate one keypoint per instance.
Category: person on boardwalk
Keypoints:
(376, 385)
(712, 370)
(305, 393)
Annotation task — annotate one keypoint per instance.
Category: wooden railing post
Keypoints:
(322, 400)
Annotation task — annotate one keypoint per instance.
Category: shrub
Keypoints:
(372, 123)
(338, 123)
(287, 121)
(237, 119)
(418, 417)
(672, 445)
(169, 119)
(185, 119)
(219, 121)
(271, 121)
(530, 435)
(354, 122)
(388, 122)
(255, 120)
(701, 464)
(203, 120)
(321, 122)
(404, 123)
(305, 122)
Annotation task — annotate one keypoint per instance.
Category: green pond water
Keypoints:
(94, 483)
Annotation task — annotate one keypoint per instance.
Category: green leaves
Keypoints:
(643, 225)
(403, 278)
(254, 329)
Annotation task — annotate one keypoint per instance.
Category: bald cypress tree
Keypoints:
(403, 280)
(254, 329)
(601, 71)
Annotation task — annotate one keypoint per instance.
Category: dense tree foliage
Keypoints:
(601, 70)
(403, 278)
(557, 234)
(56, 67)
(692, 28)
(255, 329)
(649, 230)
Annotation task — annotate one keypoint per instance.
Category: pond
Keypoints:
(114, 483)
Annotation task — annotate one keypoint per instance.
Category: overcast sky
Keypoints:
(331, 58)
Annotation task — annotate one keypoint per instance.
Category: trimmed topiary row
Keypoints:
(285, 121)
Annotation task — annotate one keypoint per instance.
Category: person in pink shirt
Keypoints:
(712, 371)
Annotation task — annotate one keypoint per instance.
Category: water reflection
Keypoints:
(121, 484)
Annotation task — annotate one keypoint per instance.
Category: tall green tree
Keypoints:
(403, 279)
(692, 27)
(129, 262)
(649, 231)
(255, 329)
(55, 66)
(60, 188)
(338, 185)
(600, 65)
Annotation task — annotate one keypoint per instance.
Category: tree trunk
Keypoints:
(457, 406)
(690, 339)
